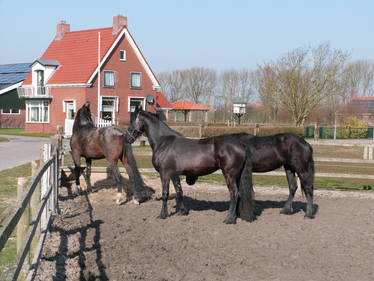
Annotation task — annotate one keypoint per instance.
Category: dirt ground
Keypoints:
(95, 239)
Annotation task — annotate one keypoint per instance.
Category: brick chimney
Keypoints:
(119, 22)
(62, 27)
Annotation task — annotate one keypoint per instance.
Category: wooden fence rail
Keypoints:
(47, 206)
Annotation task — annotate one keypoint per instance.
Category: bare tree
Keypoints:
(265, 86)
(172, 84)
(199, 84)
(246, 91)
(305, 77)
(358, 79)
(229, 88)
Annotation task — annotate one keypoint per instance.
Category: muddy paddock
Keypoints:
(95, 239)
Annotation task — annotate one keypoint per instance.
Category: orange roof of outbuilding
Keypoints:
(188, 105)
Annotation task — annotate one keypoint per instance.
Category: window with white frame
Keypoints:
(109, 79)
(134, 102)
(37, 111)
(108, 108)
(122, 55)
(136, 80)
(10, 111)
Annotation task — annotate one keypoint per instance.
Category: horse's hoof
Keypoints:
(119, 198)
(230, 220)
(183, 212)
(286, 211)
(135, 201)
(162, 216)
(309, 217)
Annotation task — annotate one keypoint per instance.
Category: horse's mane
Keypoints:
(154, 117)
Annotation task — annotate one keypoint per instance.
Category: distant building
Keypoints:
(187, 107)
(360, 107)
(71, 71)
(12, 109)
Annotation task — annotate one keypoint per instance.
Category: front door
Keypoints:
(69, 118)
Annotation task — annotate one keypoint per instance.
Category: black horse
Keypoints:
(290, 151)
(98, 143)
(175, 155)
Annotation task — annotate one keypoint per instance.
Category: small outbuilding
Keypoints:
(187, 107)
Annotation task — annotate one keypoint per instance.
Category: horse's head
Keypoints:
(84, 115)
(136, 127)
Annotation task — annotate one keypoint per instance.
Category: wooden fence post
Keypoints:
(256, 129)
(34, 203)
(45, 154)
(24, 222)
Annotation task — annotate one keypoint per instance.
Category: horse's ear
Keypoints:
(87, 104)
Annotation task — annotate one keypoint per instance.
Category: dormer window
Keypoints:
(122, 55)
(40, 78)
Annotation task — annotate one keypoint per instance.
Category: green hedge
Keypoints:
(214, 131)
(209, 131)
(188, 131)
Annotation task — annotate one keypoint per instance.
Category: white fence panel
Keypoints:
(102, 123)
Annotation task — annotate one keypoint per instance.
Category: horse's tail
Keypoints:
(245, 207)
(134, 174)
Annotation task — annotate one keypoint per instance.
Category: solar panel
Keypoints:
(15, 68)
(11, 78)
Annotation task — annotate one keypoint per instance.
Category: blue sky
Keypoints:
(209, 33)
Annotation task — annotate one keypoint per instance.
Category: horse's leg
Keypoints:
(117, 178)
(307, 184)
(180, 208)
(233, 189)
(77, 168)
(292, 185)
(88, 174)
(132, 190)
(165, 181)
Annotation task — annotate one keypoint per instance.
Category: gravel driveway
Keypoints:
(19, 150)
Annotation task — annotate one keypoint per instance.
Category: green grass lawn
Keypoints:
(8, 191)
(21, 132)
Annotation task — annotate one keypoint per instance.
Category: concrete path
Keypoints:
(19, 150)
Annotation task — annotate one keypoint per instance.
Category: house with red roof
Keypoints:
(104, 66)
(360, 107)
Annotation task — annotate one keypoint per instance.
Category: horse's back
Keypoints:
(185, 156)
(273, 151)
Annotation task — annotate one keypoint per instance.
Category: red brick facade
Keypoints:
(12, 120)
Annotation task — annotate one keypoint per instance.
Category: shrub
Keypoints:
(352, 128)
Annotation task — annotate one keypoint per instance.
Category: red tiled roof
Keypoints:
(77, 53)
(362, 98)
(162, 101)
(187, 105)
(255, 104)
(357, 105)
